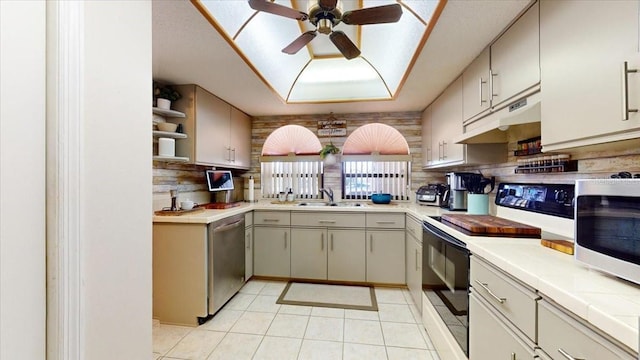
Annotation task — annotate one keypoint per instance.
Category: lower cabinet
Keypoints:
(309, 253)
(491, 336)
(334, 254)
(346, 258)
(413, 259)
(561, 336)
(272, 251)
(248, 252)
(385, 256)
(180, 268)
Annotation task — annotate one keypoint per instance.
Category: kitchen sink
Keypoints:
(325, 204)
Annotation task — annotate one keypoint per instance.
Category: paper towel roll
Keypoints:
(250, 189)
(166, 147)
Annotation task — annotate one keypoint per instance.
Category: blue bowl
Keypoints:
(381, 198)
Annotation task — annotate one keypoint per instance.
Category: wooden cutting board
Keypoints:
(490, 225)
(178, 212)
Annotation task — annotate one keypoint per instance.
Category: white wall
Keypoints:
(117, 180)
(22, 184)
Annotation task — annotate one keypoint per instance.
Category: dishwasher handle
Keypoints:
(229, 226)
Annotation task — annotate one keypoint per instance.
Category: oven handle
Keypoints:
(445, 237)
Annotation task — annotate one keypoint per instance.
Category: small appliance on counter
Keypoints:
(431, 194)
(461, 184)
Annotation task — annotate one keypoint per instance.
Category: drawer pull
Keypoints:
(486, 288)
(248, 241)
(327, 221)
(567, 355)
(513, 356)
(321, 242)
(285, 240)
(385, 222)
(271, 220)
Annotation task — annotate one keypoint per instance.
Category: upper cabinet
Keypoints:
(220, 135)
(587, 97)
(442, 123)
(446, 123)
(505, 71)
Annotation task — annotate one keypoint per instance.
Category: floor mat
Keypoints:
(332, 296)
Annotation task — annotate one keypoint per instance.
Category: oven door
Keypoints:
(445, 280)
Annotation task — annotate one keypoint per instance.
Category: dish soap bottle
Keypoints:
(290, 196)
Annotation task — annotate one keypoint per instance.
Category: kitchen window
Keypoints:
(304, 178)
(361, 178)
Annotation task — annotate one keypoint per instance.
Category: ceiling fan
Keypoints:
(324, 16)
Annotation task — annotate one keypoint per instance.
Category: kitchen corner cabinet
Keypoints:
(166, 134)
(583, 48)
(385, 248)
(506, 69)
(220, 135)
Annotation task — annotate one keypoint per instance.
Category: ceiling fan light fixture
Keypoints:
(325, 26)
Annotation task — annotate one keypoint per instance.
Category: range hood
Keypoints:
(523, 114)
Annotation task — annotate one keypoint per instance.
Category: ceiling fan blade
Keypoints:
(373, 15)
(273, 8)
(299, 43)
(328, 5)
(344, 44)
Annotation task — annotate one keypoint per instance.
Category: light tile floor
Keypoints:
(252, 326)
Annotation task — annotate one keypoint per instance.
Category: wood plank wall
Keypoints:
(594, 162)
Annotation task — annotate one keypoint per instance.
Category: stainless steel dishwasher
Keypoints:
(226, 260)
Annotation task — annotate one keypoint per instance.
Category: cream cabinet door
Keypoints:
(240, 143)
(346, 258)
(446, 124)
(582, 59)
(475, 86)
(515, 58)
(427, 145)
(309, 253)
(491, 338)
(248, 253)
(385, 256)
(413, 257)
(272, 251)
(212, 129)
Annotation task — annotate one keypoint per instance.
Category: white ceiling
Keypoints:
(187, 49)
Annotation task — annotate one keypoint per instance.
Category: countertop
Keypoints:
(608, 303)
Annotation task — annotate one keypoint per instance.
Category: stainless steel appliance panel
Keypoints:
(607, 226)
(226, 260)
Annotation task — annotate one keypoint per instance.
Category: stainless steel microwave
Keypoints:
(607, 226)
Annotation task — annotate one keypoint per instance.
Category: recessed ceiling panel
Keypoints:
(338, 79)
(262, 41)
(318, 72)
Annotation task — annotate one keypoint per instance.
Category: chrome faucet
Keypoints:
(329, 193)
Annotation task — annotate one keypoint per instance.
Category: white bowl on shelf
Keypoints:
(167, 126)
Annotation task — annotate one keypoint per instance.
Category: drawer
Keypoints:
(560, 332)
(248, 219)
(512, 299)
(274, 218)
(385, 220)
(328, 219)
(414, 227)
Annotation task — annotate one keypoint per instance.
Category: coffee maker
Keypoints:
(457, 196)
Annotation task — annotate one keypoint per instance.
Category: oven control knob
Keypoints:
(561, 196)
